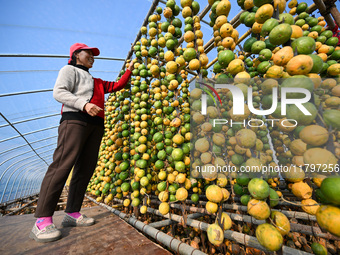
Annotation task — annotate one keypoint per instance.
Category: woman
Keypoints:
(79, 137)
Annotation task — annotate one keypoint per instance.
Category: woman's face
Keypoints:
(85, 58)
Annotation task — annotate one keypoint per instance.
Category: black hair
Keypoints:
(74, 58)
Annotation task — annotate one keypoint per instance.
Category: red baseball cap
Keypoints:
(82, 46)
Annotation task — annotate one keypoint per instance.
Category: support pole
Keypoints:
(139, 35)
(325, 13)
(333, 10)
(23, 207)
(169, 241)
(305, 229)
(228, 234)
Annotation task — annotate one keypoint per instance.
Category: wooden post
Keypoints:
(320, 4)
(334, 11)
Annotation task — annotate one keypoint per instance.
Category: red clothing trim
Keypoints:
(336, 32)
(103, 87)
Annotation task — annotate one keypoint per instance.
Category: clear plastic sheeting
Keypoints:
(29, 114)
(38, 37)
(29, 125)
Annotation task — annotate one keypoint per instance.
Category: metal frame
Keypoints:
(29, 133)
(33, 189)
(30, 179)
(52, 56)
(10, 193)
(20, 146)
(25, 92)
(13, 172)
(16, 179)
(34, 183)
(25, 152)
(21, 180)
(13, 165)
(21, 166)
(24, 169)
(23, 137)
(27, 120)
(20, 160)
(25, 187)
(164, 2)
(8, 159)
(23, 190)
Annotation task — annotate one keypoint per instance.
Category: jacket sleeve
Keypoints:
(63, 88)
(111, 86)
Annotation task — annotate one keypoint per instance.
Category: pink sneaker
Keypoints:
(48, 234)
(81, 221)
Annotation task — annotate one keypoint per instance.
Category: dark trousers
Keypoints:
(78, 146)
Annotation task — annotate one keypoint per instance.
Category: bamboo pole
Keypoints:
(233, 22)
(21, 208)
(234, 206)
(210, 44)
(238, 237)
(324, 12)
(336, 15)
(139, 35)
(228, 234)
(201, 16)
(311, 8)
(212, 62)
(209, 48)
(295, 227)
(289, 214)
(333, 10)
(237, 43)
(163, 223)
(244, 36)
(236, 18)
(169, 241)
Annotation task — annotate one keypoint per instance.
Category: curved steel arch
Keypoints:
(35, 182)
(24, 153)
(17, 186)
(21, 180)
(29, 133)
(31, 119)
(36, 189)
(13, 165)
(23, 145)
(13, 172)
(27, 183)
(33, 186)
(19, 175)
(18, 160)
(10, 193)
(22, 177)
(14, 157)
(24, 187)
